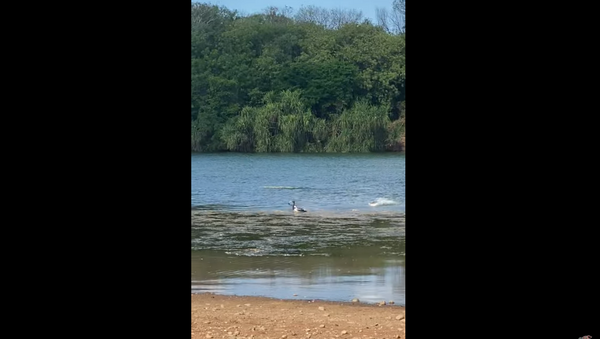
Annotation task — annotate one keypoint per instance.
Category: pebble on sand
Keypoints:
(400, 317)
(321, 308)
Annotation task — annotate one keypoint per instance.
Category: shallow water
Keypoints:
(247, 241)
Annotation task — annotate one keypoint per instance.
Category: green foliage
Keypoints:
(363, 128)
(282, 124)
(317, 81)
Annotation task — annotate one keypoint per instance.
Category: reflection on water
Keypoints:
(316, 257)
(367, 278)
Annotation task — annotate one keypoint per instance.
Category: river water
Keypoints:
(246, 240)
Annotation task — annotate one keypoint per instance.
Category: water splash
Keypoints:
(382, 202)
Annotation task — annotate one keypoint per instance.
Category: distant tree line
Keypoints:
(316, 80)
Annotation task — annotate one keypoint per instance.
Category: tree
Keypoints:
(328, 18)
(392, 21)
(314, 81)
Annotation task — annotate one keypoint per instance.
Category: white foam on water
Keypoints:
(382, 202)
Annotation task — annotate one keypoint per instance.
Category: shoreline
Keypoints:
(235, 316)
(305, 300)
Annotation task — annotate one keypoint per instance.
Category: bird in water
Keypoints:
(296, 208)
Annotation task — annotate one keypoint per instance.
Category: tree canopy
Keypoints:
(316, 80)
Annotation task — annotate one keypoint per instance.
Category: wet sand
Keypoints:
(220, 316)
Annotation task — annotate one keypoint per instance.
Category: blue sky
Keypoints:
(253, 6)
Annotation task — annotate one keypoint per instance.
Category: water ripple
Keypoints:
(286, 234)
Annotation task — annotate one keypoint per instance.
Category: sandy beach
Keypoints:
(219, 316)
